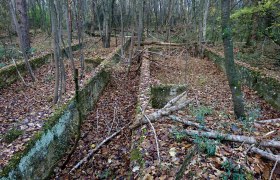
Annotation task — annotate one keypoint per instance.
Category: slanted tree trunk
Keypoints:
(233, 79)
(22, 41)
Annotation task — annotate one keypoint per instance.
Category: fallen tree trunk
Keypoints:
(189, 123)
(266, 154)
(174, 100)
(162, 112)
(268, 121)
(235, 138)
(160, 43)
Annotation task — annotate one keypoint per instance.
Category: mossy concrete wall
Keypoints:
(39, 161)
(8, 74)
(267, 87)
(162, 94)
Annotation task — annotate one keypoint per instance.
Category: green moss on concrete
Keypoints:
(8, 74)
(48, 125)
(267, 87)
(163, 93)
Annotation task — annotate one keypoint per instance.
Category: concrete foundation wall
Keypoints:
(267, 87)
(39, 161)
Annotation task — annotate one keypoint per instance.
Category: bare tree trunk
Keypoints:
(106, 36)
(56, 48)
(233, 79)
(69, 33)
(69, 19)
(21, 41)
(204, 27)
(61, 42)
(92, 28)
(131, 51)
(140, 23)
(122, 31)
(21, 8)
(80, 20)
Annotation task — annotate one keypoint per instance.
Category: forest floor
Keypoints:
(208, 86)
(23, 110)
(114, 110)
(212, 107)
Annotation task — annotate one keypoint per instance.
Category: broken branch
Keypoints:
(235, 138)
(174, 100)
(91, 152)
(162, 112)
(268, 121)
(189, 123)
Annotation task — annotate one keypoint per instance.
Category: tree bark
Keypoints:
(56, 49)
(233, 79)
(204, 28)
(235, 138)
(21, 41)
(21, 8)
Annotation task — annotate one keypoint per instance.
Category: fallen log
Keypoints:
(189, 123)
(91, 152)
(160, 113)
(174, 100)
(265, 154)
(160, 43)
(235, 138)
(268, 121)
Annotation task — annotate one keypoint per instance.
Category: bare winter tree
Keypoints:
(59, 66)
(22, 31)
(233, 79)
(21, 11)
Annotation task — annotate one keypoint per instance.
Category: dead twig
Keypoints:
(21, 78)
(272, 172)
(91, 152)
(155, 135)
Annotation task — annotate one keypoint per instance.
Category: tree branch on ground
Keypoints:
(91, 152)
